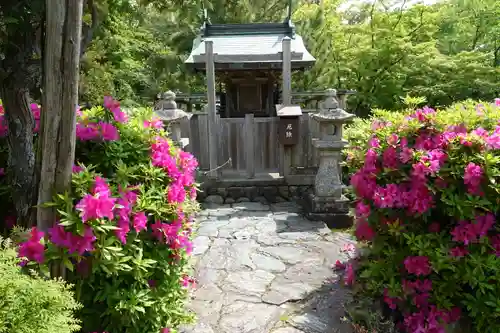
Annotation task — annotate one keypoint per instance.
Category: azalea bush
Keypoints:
(123, 234)
(32, 304)
(427, 189)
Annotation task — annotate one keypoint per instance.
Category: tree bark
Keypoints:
(20, 121)
(60, 99)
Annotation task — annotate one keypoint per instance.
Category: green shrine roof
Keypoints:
(249, 46)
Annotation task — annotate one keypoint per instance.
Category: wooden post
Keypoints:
(287, 99)
(212, 131)
(60, 99)
(287, 71)
(249, 145)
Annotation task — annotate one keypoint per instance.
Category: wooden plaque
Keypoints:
(288, 130)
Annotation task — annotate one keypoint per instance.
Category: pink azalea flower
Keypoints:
(472, 178)
(96, 206)
(459, 252)
(32, 249)
(74, 243)
(390, 158)
(87, 132)
(101, 187)
(418, 265)
(109, 132)
(393, 139)
(467, 232)
(350, 275)
(82, 244)
(424, 114)
(119, 115)
(188, 281)
(77, 169)
(154, 123)
(121, 233)
(59, 236)
(495, 244)
(140, 221)
(364, 231)
(114, 106)
(348, 247)
(390, 301)
(374, 142)
(176, 193)
(339, 266)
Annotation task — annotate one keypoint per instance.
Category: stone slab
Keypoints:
(263, 268)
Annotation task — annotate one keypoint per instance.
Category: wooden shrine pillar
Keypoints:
(211, 108)
(286, 151)
(287, 71)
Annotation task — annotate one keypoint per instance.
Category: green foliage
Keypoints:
(139, 51)
(385, 51)
(30, 303)
(367, 316)
(131, 59)
(426, 188)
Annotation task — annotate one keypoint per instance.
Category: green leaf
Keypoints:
(68, 264)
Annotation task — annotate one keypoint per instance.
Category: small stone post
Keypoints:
(166, 109)
(328, 203)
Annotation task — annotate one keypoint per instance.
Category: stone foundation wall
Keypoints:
(263, 194)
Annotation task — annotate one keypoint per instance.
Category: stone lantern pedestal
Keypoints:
(166, 109)
(327, 203)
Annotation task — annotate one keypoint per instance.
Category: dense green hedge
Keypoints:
(30, 303)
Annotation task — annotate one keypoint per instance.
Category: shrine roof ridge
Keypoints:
(241, 29)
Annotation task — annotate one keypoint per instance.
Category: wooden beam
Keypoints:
(249, 145)
(287, 71)
(212, 131)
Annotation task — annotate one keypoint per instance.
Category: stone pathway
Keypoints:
(264, 268)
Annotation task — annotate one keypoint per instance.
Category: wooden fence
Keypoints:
(249, 147)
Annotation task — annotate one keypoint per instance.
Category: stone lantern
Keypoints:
(166, 109)
(328, 203)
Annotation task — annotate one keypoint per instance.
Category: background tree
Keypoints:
(388, 51)
(21, 26)
(22, 35)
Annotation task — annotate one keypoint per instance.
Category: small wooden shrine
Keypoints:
(250, 60)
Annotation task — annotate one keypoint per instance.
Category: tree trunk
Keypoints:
(20, 121)
(60, 99)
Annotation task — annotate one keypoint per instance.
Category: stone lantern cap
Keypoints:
(330, 111)
(166, 108)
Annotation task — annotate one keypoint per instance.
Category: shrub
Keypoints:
(124, 230)
(31, 304)
(427, 186)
